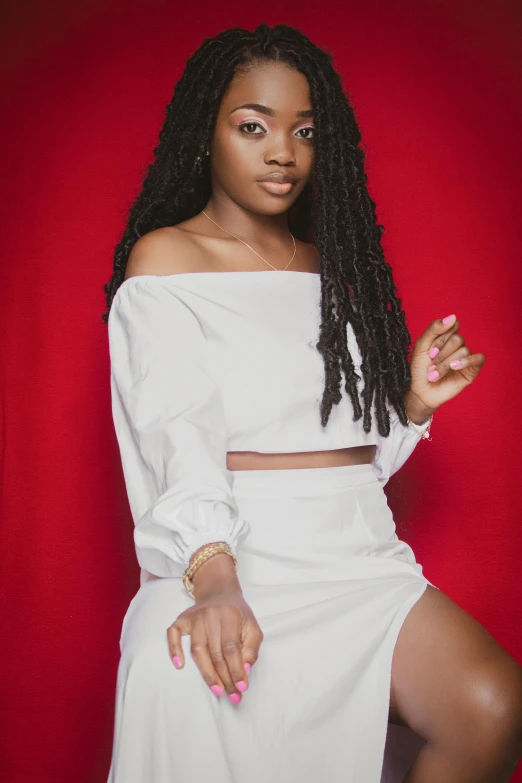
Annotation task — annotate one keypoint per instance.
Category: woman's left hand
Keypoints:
(435, 376)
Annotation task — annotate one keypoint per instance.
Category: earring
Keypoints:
(198, 160)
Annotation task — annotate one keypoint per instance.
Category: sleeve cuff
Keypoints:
(420, 429)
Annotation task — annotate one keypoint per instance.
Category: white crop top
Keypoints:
(208, 362)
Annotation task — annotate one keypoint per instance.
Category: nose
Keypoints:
(280, 150)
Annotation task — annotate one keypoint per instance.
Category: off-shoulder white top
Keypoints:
(208, 362)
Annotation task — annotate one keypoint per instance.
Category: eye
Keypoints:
(246, 124)
(308, 128)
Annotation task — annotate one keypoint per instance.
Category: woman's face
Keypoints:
(274, 136)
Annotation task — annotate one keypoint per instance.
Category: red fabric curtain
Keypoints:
(436, 88)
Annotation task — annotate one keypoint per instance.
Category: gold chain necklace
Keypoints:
(251, 248)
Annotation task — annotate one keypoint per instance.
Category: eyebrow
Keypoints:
(269, 111)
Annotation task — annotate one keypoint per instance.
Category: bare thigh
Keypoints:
(451, 678)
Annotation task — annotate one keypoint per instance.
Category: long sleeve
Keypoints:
(169, 420)
(393, 451)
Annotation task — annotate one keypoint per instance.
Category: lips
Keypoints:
(279, 188)
(279, 177)
(277, 182)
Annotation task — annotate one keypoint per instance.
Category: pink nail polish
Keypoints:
(448, 318)
(248, 666)
(432, 367)
(433, 352)
(216, 689)
(455, 364)
(241, 686)
(176, 660)
(433, 375)
(235, 698)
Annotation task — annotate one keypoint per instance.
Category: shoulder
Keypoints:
(164, 251)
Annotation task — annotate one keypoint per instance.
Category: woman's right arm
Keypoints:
(170, 424)
(169, 420)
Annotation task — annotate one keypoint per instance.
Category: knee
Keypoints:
(493, 704)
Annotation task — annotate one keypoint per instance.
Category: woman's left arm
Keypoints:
(442, 365)
(436, 378)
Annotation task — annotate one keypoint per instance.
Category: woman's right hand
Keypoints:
(225, 635)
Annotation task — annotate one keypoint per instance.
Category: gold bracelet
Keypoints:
(426, 434)
(203, 551)
(204, 554)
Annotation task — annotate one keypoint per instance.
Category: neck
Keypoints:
(251, 227)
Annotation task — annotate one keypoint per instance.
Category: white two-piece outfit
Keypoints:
(205, 363)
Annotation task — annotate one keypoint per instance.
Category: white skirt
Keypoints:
(330, 585)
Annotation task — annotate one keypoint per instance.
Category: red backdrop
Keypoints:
(436, 88)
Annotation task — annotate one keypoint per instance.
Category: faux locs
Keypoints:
(334, 210)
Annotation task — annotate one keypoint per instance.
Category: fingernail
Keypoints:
(234, 697)
(448, 318)
(432, 367)
(248, 666)
(241, 686)
(433, 375)
(433, 352)
(455, 364)
(216, 689)
(176, 660)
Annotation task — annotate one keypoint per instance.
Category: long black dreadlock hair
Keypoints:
(334, 210)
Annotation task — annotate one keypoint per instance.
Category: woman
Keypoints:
(249, 279)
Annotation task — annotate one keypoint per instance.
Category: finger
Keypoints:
(440, 341)
(471, 360)
(436, 371)
(251, 638)
(178, 629)
(465, 372)
(231, 647)
(213, 621)
(199, 649)
(446, 345)
(434, 331)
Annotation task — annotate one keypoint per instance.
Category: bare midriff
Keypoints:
(254, 460)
